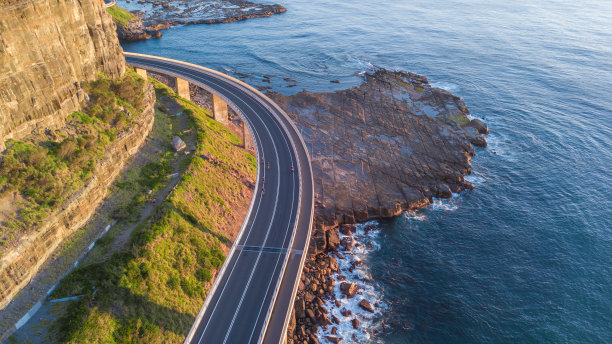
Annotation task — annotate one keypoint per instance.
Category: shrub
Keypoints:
(32, 171)
(173, 282)
(47, 172)
(82, 117)
(190, 287)
(203, 275)
(67, 149)
(152, 174)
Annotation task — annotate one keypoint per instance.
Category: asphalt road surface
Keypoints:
(252, 297)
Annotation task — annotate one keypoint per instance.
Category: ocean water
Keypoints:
(526, 257)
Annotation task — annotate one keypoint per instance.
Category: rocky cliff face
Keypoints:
(47, 48)
(19, 265)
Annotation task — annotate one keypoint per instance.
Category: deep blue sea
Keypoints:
(526, 257)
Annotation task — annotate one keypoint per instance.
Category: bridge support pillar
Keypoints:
(182, 88)
(142, 72)
(247, 139)
(220, 113)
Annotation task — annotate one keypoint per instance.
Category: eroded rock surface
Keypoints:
(136, 30)
(386, 146)
(162, 14)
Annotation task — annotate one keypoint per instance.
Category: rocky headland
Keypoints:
(384, 147)
(387, 146)
(151, 16)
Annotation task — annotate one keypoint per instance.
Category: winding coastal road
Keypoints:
(252, 297)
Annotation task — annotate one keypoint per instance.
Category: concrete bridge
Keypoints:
(252, 297)
(220, 107)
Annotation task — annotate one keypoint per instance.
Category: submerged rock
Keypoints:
(333, 339)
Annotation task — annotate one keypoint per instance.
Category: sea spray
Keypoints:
(355, 249)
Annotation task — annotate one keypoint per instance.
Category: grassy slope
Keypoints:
(152, 292)
(122, 17)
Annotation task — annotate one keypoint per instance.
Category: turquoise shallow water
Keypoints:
(526, 257)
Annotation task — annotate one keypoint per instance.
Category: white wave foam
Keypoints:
(475, 178)
(362, 65)
(500, 146)
(447, 86)
(365, 63)
(369, 290)
(445, 204)
(414, 215)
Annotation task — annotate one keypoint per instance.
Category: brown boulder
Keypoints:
(355, 323)
(317, 241)
(347, 243)
(355, 264)
(324, 319)
(333, 339)
(349, 289)
(333, 239)
(332, 263)
(479, 125)
(347, 229)
(308, 297)
(366, 305)
(300, 308)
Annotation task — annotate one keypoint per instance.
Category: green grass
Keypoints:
(122, 17)
(151, 292)
(458, 120)
(47, 171)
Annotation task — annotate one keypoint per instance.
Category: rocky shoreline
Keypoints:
(337, 300)
(156, 15)
(390, 145)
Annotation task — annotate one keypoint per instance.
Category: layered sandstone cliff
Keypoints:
(46, 48)
(20, 264)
